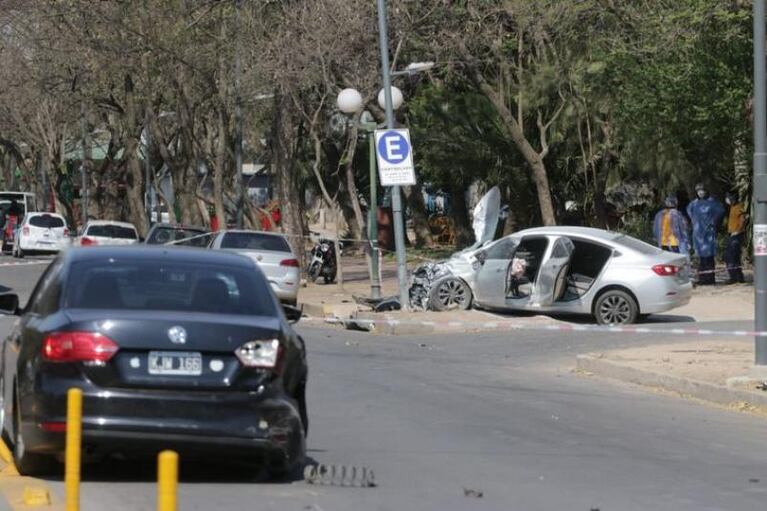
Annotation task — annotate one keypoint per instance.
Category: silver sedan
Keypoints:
(611, 276)
(272, 253)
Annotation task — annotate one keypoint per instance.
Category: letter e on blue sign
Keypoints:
(395, 157)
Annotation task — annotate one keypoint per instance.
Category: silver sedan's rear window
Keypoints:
(254, 241)
(637, 245)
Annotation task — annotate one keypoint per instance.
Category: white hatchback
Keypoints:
(107, 232)
(41, 232)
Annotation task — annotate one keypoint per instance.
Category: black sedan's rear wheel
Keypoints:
(301, 400)
(616, 307)
(27, 463)
(449, 294)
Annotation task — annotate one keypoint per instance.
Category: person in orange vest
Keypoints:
(670, 228)
(736, 223)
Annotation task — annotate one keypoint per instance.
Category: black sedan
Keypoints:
(173, 348)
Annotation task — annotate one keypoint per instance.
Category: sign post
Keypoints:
(396, 198)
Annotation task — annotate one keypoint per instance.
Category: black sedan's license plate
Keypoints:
(187, 363)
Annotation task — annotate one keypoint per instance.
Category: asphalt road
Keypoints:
(441, 418)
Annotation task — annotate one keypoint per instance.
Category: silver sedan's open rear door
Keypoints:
(552, 276)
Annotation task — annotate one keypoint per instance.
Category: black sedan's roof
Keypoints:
(154, 252)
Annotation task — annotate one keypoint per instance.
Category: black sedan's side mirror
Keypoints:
(293, 314)
(9, 304)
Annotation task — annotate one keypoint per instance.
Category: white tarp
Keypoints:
(485, 216)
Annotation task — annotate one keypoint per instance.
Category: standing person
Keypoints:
(736, 223)
(670, 228)
(706, 214)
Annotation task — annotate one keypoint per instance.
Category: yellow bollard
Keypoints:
(73, 449)
(167, 481)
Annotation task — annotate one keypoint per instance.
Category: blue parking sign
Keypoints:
(395, 157)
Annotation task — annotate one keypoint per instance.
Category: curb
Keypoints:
(719, 394)
(23, 493)
(391, 327)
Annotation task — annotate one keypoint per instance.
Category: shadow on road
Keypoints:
(580, 319)
(191, 471)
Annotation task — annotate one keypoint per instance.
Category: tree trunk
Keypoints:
(533, 158)
(351, 187)
(459, 212)
(190, 212)
(284, 160)
(420, 218)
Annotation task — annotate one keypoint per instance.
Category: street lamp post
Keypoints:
(238, 128)
(375, 281)
(760, 185)
(350, 102)
(86, 156)
(399, 225)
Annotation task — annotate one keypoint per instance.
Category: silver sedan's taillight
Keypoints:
(264, 354)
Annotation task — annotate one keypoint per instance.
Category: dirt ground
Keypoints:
(712, 361)
(720, 303)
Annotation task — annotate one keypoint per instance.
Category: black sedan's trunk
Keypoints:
(175, 350)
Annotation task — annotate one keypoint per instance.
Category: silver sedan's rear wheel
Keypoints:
(616, 307)
(449, 294)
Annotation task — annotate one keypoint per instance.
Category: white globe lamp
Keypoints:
(396, 98)
(349, 101)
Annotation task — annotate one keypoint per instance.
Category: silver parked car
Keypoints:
(612, 276)
(272, 253)
(107, 232)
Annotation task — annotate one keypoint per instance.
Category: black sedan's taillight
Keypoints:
(78, 347)
(260, 354)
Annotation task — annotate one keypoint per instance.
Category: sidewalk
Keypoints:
(705, 370)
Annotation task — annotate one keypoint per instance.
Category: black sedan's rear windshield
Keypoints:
(162, 285)
(254, 241)
(112, 231)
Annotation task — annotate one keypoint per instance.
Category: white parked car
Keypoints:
(272, 253)
(41, 232)
(107, 232)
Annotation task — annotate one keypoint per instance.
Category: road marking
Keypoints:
(519, 325)
(24, 493)
(24, 263)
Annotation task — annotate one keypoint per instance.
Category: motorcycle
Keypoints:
(322, 262)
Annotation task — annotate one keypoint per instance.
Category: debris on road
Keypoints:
(340, 475)
(469, 492)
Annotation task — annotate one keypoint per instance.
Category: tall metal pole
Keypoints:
(760, 179)
(238, 127)
(148, 196)
(399, 225)
(375, 282)
(86, 156)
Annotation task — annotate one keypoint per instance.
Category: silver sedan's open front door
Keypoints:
(552, 276)
(491, 286)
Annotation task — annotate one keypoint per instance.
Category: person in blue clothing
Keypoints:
(706, 214)
(670, 228)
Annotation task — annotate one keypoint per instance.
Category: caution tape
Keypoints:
(368, 242)
(513, 325)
